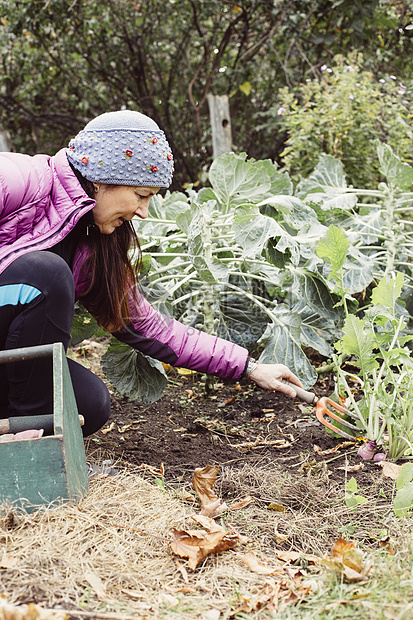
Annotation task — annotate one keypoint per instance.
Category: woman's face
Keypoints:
(117, 203)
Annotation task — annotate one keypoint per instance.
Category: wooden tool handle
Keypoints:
(307, 397)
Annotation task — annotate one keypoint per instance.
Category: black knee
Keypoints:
(50, 274)
(92, 397)
(98, 413)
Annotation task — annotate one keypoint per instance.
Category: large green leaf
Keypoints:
(396, 172)
(405, 476)
(327, 186)
(236, 181)
(403, 502)
(196, 221)
(359, 341)
(359, 270)
(281, 183)
(240, 321)
(282, 340)
(333, 248)
(83, 325)
(264, 269)
(162, 209)
(293, 213)
(133, 374)
(312, 289)
(387, 292)
(316, 331)
(253, 230)
(367, 228)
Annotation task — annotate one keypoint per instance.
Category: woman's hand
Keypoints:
(269, 377)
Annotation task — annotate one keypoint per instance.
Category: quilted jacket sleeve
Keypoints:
(173, 342)
(168, 340)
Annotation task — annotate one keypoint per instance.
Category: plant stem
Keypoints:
(365, 192)
(331, 365)
(373, 416)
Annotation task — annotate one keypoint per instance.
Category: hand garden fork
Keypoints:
(326, 407)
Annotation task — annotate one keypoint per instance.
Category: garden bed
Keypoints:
(109, 557)
(236, 425)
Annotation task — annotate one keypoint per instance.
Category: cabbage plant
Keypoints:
(239, 259)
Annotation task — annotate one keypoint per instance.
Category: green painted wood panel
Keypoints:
(49, 469)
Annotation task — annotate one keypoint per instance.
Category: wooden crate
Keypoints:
(50, 469)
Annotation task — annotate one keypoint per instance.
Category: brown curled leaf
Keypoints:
(197, 544)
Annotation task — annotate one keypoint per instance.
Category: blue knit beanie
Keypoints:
(122, 148)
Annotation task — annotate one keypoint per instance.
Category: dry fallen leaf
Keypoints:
(212, 614)
(182, 570)
(185, 372)
(242, 503)
(133, 594)
(108, 429)
(203, 481)
(349, 554)
(343, 444)
(207, 523)
(197, 544)
(352, 467)
(28, 612)
(97, 585)
(385, 544)
(256, 566)
(185, 495)
(280, 537)
(156, 472)
(277, 507)
(275, 596)
(288, 556)
(390, 470)
(347, 561)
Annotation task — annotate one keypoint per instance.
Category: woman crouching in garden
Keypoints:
(66, 235)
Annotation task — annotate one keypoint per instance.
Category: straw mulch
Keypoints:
(108, 557)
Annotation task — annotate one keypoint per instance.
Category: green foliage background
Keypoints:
(65, 61)
(342, 113)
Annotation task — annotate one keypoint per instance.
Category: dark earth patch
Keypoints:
(235, 425)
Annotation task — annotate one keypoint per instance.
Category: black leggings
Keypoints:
(36, 307)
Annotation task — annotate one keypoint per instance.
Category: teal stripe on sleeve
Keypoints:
(13, 294)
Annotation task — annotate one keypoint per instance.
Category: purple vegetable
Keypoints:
(380, 456)
(367, 450)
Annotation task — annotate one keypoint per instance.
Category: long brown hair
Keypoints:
(114, 279)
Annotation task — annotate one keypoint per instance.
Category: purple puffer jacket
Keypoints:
(41, 201)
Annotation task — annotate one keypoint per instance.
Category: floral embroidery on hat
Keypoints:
(128, 154)
(84, 160)
(154, 168)
(154, 140)
(169, 156)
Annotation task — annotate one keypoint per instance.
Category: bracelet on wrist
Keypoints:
(251, 366)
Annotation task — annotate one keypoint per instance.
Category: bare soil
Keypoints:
(235, 425)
